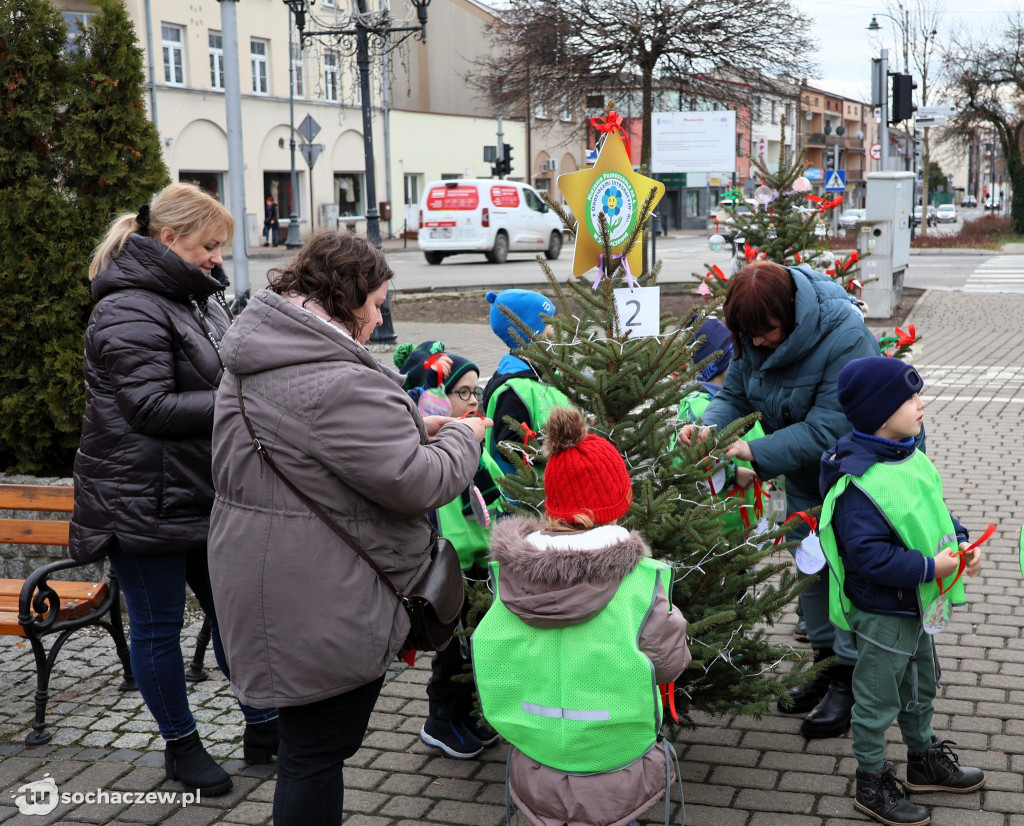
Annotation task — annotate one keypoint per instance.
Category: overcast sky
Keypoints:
(844, 51)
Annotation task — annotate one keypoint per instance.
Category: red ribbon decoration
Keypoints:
(909, 338)
(432, 363)
(803, 516)
(749, 252)
(826, 205)
(668, 697)
(719, 273)
(612, 125)
(991, 529)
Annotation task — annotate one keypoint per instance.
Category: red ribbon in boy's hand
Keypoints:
(963, 553)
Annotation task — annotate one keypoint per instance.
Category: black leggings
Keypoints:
(316, 739)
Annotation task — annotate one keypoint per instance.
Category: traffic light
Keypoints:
(498, 169)
(903, 107)
(507, 158)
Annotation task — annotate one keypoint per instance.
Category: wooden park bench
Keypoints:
(36, 608)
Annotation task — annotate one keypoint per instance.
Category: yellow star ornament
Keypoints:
(612, 187)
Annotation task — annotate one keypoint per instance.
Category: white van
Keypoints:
(486, 215)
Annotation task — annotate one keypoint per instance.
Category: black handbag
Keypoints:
(434, 603)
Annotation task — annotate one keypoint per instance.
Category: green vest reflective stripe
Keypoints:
(579, 698)
(472, 540)
(540, 399)
(909, 495)
(691, 408)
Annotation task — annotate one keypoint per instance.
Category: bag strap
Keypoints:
(261, 451)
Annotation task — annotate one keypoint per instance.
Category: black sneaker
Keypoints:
(480, 729)
(939, 770)
(451, 737)
(800, 630)
(880, 795)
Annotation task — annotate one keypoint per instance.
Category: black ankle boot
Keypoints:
(939, 770)
(831, 717)
(804, 698)
(259, 743)
(186, 761)
(880, 795)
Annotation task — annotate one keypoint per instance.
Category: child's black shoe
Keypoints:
(939, 770)
(880, 795)
(447, 731)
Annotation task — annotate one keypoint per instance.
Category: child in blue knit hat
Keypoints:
(516, 389)
(895, 556)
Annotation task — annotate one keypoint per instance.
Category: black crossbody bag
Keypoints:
(434, 604)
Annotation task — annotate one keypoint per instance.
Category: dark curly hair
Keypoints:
(338, 270)
(761, 297)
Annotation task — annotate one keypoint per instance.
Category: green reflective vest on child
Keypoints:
(909, 495)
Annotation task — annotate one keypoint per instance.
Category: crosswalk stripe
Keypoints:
(1000, 273)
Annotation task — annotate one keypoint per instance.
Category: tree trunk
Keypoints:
(1015, 171)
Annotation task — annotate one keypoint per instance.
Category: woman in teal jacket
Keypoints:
(793, 330)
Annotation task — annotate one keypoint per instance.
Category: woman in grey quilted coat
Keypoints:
(307, 624)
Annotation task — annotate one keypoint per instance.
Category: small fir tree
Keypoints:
(786, 229)
(73, 152)
(729, 589)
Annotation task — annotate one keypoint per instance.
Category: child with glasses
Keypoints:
(451, 725)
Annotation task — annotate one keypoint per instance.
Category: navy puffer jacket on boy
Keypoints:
(882, 575)
(142, 471)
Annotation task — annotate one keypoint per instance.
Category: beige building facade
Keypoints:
(434, 126)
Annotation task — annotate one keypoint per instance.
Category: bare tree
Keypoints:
(922, 23)
(546, 49)
(985, 82)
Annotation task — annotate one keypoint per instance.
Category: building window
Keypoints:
(757, 109)
(216, 61)
(566, 113)
(331, 76)
(173, 41)
(76, 21)
(298, 72)
(349, 194)
(775, 111)
(412, 189)
(212, 182)
(540, 111)
(279, 184)
(258, 55)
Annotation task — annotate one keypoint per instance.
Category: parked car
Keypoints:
(726, 228)
(992, 203)
(946, 214)
(968, 201)
(933, 217)
(488, 216)
(848, 220)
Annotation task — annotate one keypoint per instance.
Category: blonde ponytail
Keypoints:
(184, 208)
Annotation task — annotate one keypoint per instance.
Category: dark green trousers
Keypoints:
(883, 688)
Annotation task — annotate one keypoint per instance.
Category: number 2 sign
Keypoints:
(639, 310)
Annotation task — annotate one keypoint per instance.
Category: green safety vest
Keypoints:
(579, 698)
(691, 409)
(909, 495)
(472, 540)
(540, 399)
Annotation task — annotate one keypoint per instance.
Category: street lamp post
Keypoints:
(296, 17)
(362, 29)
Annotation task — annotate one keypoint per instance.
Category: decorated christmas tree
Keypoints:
(627, 365)
(788, 225)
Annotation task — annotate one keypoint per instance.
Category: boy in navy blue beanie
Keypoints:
(890, 543)
(516, 389)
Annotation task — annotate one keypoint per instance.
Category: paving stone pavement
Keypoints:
(737, 771)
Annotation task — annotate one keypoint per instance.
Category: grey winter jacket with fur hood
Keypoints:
(301, 616)
(548, 586)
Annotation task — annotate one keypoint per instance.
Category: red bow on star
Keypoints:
(908, 337)
(612, 124)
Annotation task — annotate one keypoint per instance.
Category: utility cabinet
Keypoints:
(884, 239)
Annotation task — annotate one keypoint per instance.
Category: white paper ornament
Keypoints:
(826, 259)
(716, 242)
(764, 195)
(801, 184)
(809, 557)
(936, 615)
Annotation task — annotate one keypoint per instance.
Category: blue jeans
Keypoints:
(154, 588)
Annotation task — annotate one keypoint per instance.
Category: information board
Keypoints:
(693, 141)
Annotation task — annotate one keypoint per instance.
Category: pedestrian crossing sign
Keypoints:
(835, 181)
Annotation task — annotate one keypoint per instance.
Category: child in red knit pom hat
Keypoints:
(582, 631)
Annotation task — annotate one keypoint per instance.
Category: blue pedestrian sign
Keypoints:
(835, 181)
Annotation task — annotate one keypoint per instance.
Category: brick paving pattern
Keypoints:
(737, 771)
